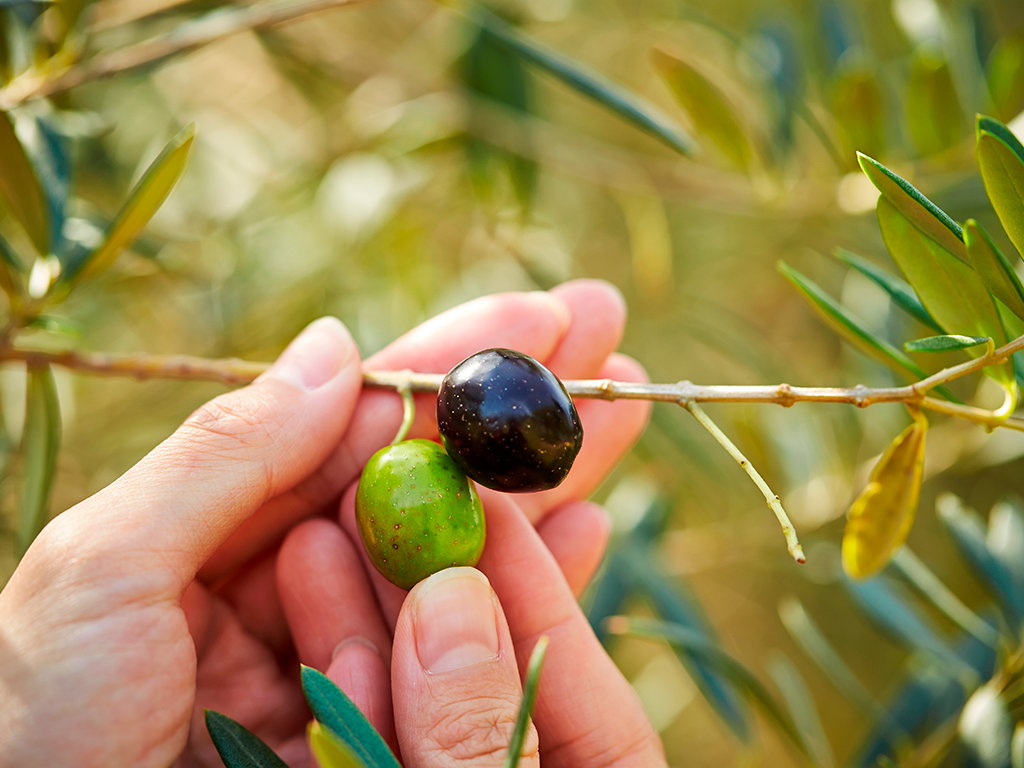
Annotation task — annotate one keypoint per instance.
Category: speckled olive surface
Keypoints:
(417, 513)
(508, 422)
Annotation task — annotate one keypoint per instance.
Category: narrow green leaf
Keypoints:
(330, 750)
(1017, 747)
(1002, 171)
(336, 712)
(20, 189)
(1004, 71)
(143, 202)
(849, 326)
(945, 343)
(986, 730)
(694, 643)
(858, 106)
(899, 291)
(918, 209)
(934, 114)
(40, 442)
(994, 269)
(952, 292)
(515, 748)
(1005, 537)
(1000, 131)
(714, 117)
(237, 746)
(802, 710)
(11, 273)
(582, 79)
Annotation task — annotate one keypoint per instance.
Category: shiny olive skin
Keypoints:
(508, 422)
(417, 513)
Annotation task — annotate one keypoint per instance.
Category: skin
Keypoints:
(198, 578)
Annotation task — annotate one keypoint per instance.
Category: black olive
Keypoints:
(508, 422)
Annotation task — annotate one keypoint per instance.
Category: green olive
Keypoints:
(417, 512)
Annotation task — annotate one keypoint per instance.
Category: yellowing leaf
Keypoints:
(880, 518)
(330, 751)
(1002, 172)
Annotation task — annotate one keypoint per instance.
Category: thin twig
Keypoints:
(792, 543)
(191, 35)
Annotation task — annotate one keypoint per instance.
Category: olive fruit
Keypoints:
(417, 513)
(508, 422)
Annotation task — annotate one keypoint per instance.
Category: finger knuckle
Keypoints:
(478, 735)
(230, 424)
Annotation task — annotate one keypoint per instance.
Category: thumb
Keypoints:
(455, 682)
(177, 505)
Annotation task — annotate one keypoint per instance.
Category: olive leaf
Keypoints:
(713, 116)
(935, 117)
(1002, 171)
(143, 202)
(515, 747)
(40, 442)
(899, 291)
(20, 188)
(945, 343)
(881, 517)
(994, 269)
(237, 746)
(950, 289)
(331, 751)
(918, 209)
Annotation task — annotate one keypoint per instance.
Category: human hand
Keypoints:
(110, 644)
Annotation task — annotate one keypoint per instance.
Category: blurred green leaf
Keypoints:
(5, 48)
(881, 516)
(934, 114)
(693, 643)
(40, 442)
(20, 188)
(714, 117)
(515, 747)
(886, 605)
(995, 271)
(331, 751)
(969, 534)
(802, 709)
(899, 291)
(582, 79)
(917, 208)
(858, 107)
(49, 154)
(1002, 171)
(608, 594)
(952, 292)
(1005, 538)
(986, 730)
(143, 202)
(1017, 747)
(852, 329)
(1005, 73)
(336, 712)
(945, 343)
(11, 273)
(237, 746)
(673, 602)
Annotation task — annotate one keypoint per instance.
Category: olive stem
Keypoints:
(774, 503)
(408, 414)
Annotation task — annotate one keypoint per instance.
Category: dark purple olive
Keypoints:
(507, 421)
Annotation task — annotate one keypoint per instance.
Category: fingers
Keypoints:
(531, 322)
(576, 535)
(171, 511)
(455, 677)
(609, 431)
(586, 712)
(598, 319)
(334, 618)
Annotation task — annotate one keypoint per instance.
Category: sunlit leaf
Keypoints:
(584, 80)
(858, 107)
(143, 202)
(1005, 73)
(693, 643)
(802, 709)
(969, 534)
(994, 269)
(515, 747)
(330, 751)
(20, 190)
(935, 116)
(945, 343)
(1002, 171)
(917, 208)
(899, 291)
(952, 292)
(40, 442)
(889, 607)
(986, 730)
(239, 747)
(882, 515)
(1000, 131)
(336, 712)
(714, 117)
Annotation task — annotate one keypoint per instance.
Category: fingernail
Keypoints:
(454, 620)
(315, 355)
(357, 641)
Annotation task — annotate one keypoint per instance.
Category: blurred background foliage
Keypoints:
(387, 161)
